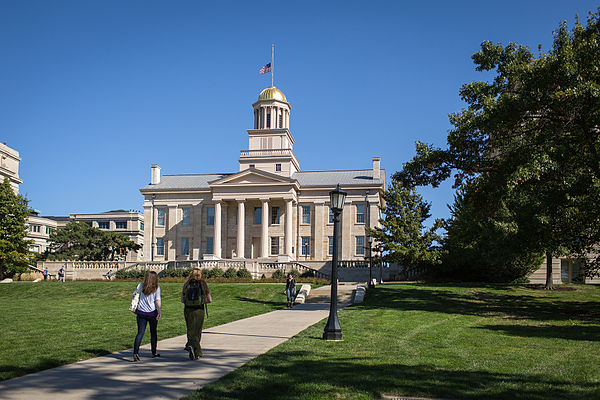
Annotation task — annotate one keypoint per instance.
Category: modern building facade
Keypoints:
(269, 209)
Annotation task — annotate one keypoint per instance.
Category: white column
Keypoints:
(217, 234)
(288, 227)
(240, 229)
(265, 228)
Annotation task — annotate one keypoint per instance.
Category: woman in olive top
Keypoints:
(195, 295)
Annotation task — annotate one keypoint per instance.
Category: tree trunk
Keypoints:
(548, 271)
(1, 271)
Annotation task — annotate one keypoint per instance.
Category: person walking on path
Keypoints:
(148, 312)
(290, 290)
(45, 273)
(61, 274)
(195, 295)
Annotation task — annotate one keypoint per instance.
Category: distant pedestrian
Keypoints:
(108, 274)
(61, 274)
(148, 312)
(195, 295)
(45, 273)
(290, 290)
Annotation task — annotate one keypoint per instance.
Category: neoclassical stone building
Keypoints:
(270, 209)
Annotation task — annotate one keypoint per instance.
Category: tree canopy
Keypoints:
(14, 247)
(403, 236)
(526, 148)
(79, 241)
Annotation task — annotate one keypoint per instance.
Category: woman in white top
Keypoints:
(148, 311)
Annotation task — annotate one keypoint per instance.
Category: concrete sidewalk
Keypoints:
(172, 375)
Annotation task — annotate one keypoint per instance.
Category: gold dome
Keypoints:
(272, 93)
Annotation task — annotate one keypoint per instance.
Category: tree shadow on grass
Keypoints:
(481, 303)
(281, 375)
(570, 332)
(249, 300)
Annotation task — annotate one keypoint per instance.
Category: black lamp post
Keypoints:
(370, 249)
(333, 331)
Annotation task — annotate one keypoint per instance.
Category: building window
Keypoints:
(141, 226)
(571, 271)
(121, 224)
(360, 213)
(360, 245)
(281, 120)
(331, 216)
(103, 224)
(185, 246)
(268, 120)
(185, 220)
(209, 245)
(330, 250)
(305, 245)
(34, 228)
(160, 246)
(306, 214)
(274, 246)
(252, 166)
(210, 219)
(160, 218)
(278, 167)
(49, 230)
(257, 215)
(274, 215)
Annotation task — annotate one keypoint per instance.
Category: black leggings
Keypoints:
(141, 324)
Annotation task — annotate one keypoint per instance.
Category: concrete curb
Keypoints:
(359, 295)
(302, 294)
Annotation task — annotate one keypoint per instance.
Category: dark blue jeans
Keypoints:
(141, 325)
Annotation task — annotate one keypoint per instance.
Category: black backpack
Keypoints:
(193, 295)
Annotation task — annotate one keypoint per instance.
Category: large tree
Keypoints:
(79, 241)
(529, 141)
(14, 247)
(403, 236)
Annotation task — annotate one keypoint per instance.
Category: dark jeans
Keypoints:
(141, 324)
(194, 319)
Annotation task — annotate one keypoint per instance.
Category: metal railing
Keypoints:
(288, 266)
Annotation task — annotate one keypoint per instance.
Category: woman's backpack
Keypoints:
(193, 295)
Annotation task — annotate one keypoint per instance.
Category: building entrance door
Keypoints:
(255, 249)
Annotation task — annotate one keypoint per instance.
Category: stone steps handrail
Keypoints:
(293, 265)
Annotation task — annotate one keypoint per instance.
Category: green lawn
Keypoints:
(46, 324)
(447, 341)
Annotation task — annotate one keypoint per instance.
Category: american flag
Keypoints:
(265, 69)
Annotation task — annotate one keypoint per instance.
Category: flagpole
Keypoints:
(272, 62)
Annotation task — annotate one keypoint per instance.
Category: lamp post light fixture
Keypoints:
(333, 331)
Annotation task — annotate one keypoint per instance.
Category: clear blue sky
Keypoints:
(93, 92)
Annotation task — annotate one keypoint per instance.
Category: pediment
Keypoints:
(251, 176)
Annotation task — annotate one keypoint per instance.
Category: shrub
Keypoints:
(263, 276)
(216, 272)
(244, 273)
(278, 274)
(175, 273)
(295, 273)
(307, 274)
(130, 274)
(30, 276)
(230, 273)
